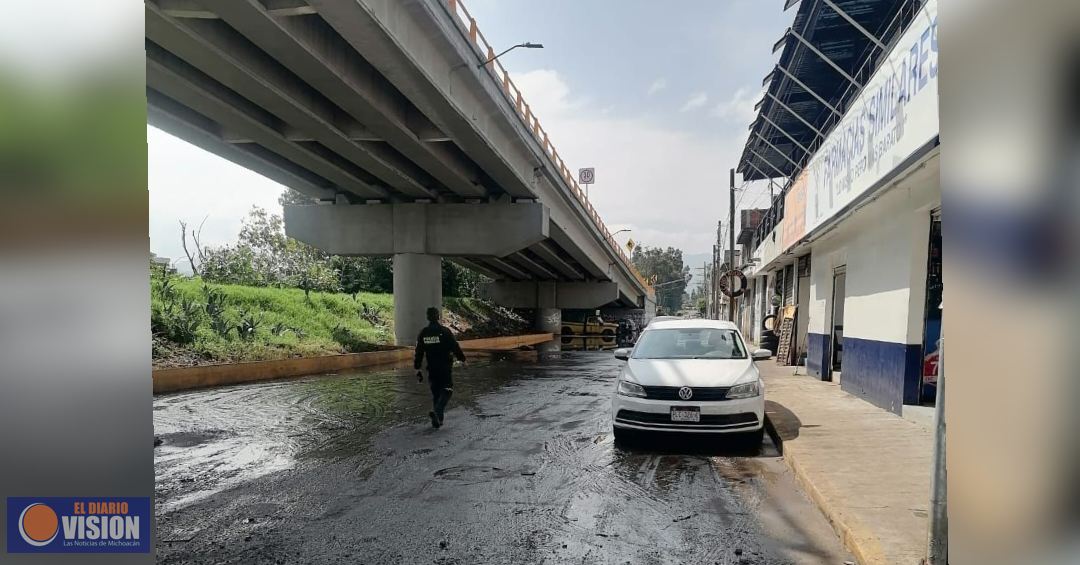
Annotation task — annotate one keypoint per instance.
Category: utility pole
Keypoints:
(938, 542)
(717, 262)
(719, 271)
(712, 283)
(715, 290)
(705, 286)
(731, 241)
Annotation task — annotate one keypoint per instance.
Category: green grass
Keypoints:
(321, 324)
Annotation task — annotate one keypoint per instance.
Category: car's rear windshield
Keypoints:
(689, 343)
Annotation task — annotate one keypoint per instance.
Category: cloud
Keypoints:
(696, 101)
(189, 184)
(546, 93)
(656, 86)
(739, 109)
(667, 184)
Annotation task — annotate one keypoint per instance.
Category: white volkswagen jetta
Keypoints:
(690, 376)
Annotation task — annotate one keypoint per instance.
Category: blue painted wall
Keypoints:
(883, 373)
(817, 355)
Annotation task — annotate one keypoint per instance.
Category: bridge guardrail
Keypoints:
(500, 74)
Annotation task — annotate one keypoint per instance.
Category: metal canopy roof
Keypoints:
(825, 61)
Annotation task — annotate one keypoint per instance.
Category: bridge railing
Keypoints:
(501, 75)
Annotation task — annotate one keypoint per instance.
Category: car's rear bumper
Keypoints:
(724, 416)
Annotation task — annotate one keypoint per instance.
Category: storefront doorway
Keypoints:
(838, 297)
(932, 316)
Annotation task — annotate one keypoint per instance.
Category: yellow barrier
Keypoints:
(186, 378)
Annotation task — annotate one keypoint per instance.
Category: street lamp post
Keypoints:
(526, 45)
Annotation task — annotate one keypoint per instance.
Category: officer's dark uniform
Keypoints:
(438, 344)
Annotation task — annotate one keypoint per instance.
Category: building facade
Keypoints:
(849, 254)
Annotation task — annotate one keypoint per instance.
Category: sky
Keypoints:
(657, 99)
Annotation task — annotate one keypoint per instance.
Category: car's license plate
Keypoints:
(686, 414)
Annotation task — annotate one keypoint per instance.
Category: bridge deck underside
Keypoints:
(274, 87)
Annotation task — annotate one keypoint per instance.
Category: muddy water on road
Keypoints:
(344, 469)
(216, 438)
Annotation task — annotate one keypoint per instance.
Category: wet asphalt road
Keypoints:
(346, 469)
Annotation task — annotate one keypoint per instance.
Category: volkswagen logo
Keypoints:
(686, 393)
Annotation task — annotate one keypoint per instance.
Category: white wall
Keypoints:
(826, 256)
(878, 281)
(884, 247)
(759, 314)
(767, 250)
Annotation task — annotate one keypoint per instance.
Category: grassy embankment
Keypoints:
(196, 323)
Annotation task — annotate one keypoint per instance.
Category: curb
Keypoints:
(774, 435)
(862, 544)
(202, 376)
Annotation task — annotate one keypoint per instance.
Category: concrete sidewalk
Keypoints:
(866, 468)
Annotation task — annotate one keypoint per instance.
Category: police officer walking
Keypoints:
(438, 344)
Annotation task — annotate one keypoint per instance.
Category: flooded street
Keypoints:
(346, 469)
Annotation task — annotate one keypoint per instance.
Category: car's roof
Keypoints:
(690, 323)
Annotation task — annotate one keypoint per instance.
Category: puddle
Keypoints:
(471, 474)
(210, 440)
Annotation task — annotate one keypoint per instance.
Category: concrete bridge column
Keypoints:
(417, 287)
(549, 320)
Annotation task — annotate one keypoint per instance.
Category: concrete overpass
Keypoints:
(381, 112)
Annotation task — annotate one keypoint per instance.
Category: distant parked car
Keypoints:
(690, 376)
(593, 324)
(662, 319)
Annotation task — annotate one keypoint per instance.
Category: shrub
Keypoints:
(249, 323)
(372, 314)
(176, 320)
(350, 340)
(278, 329)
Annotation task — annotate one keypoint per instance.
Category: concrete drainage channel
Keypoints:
(188, 378)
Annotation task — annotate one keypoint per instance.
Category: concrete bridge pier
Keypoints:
(417, 287)
(417, 236)
(549, 320)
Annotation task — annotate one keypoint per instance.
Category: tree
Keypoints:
(671, 276)
(364, 274)
(457, 281)
(265, 256)
(199, 256)
(290, 197)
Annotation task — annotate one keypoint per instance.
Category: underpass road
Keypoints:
(346, 469)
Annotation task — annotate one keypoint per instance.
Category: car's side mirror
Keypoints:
(761, 354)
(622, 353)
